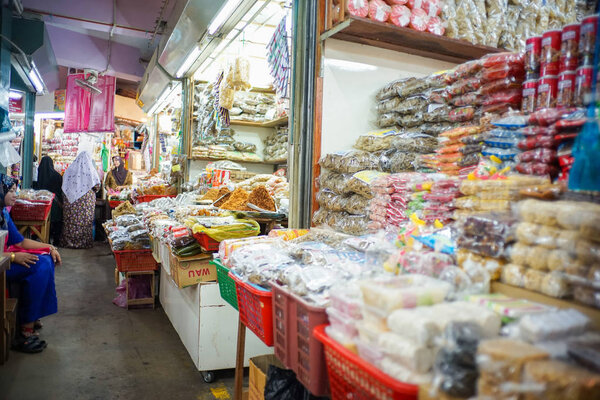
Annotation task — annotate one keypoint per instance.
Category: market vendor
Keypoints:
(32, 268)
(50, 179)
(119, 176)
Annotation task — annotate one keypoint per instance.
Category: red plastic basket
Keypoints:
(206, 242)
(256, 309)
(294, 320)
(34, 210)
(149, 197)
(115, 203)
(351, 377)
(135, 260)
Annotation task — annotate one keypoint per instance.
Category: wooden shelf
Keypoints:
(237, 161)
(392, 37)
(517, 292)
(268, 124)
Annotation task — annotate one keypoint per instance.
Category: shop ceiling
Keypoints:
(84, 32)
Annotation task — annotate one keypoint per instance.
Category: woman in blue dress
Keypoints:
(34, 273)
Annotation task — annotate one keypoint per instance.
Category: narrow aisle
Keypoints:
(97, 350)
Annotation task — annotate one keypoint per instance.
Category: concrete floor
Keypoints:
(97, 350)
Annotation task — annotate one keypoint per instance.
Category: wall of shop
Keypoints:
(353, 73)
(44, 103)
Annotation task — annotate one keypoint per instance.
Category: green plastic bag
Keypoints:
(240, 229)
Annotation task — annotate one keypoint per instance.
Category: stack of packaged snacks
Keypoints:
(459, 149)
(484, 238)
(486, 195)
(557, 249)
(501, 142)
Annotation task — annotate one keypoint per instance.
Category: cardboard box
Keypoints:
(259, 366)
(189, 271)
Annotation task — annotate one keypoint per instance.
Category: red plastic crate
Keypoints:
(135, 260)
(33, 211)
(206, 242)
(115, 203)
(351, 377)
(294, 320)
(256, 309)
(149, 197)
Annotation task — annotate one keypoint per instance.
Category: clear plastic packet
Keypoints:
(349, 224)
(329, 200)
(391, 89)
(398, 161)
(333, 181)
(126, 220)
(462, 114)
(512, 98)
(415, 143)
(559, 379)
(513, 274)
(553, 325)
(355, 204)
(548, 116)
(534, 142)
(468, 99)
(417, 358)
(388, 104)
(503, 154)
(387, 119)
(506, 58)
(503, 71)
(411, 120)
(361, 182)
(376, 140)
(407, 291)
(463, 86)
(536, 168)
(464, 70)
(541, 155)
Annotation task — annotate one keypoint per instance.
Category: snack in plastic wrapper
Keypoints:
(379, 10)
(400, 15)
(419, 20)
(359, 8)
(553, 325)
(561, 380)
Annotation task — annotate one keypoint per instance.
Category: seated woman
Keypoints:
(118, 177)
(32, 267)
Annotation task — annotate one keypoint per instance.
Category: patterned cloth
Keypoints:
(78, 220)
(80, 177)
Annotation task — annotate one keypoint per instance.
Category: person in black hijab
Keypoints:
(119, 176)
(49, 179)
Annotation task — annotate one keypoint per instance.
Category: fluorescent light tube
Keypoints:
(36, 79)
(222, 16)
(191, 58)
(14, 95)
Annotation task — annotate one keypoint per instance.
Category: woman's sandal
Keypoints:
(31, 344)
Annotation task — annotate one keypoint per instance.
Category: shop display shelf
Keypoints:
(256, 309)
(238, 161)
(149, 197)
(351, 377)
(35, 210)
(294, 320)
(268, 124)
(226, 284)
(520, 293)
(392, 37)
(135, 260)
(206, 242)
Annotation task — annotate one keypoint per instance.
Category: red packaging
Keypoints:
(534, 168)
(566, 89)
(548, 116)
(499, 108)
(400, 15)
(550, 57)
(570, 124)
(419, 19)
(512, 97)
(435, 26)
(529, 96)
(433, 8)
(583, 85)
(501, 84)
(534, 142)
(587, 39)
(504, 58)
(358, 8)
(541, 155)
(547, 91)
(379, 10)
(533, 49)
(396, 2)
(416, 4)
(569, 47)
(464, 70)
(467, 99)
(503, 72)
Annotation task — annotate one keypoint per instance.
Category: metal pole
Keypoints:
(27, 147)
(5, 30)
(187, 102)
(304, 50)
(157, 147)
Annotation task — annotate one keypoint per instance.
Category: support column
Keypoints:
(27, 146)
(157, 148)
(187, 102)
(302, 111)
(5, 30)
